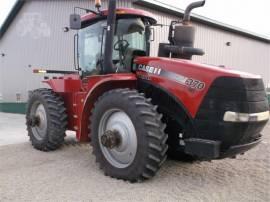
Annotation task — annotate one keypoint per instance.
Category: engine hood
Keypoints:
(188, 81)
(191, 68)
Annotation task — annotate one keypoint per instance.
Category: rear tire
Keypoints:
(46, 120)
(125, 110)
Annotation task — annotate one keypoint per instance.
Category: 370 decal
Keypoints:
(195, 84)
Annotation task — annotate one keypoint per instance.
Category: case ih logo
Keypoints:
(186, 81)
(149, 69)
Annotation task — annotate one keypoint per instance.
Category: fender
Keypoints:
(164, 98)
(97, 85)
(81, 95)
(147, 86)
(65, 84)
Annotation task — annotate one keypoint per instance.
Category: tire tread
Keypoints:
(57, 119)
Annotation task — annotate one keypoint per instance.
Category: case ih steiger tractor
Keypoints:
(136, 109)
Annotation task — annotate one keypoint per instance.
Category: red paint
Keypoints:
(190, 98)
(121, 12)
(68, 83)
(80, 95)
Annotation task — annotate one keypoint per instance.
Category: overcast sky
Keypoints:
(251, 15)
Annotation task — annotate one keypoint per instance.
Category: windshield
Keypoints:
(132, 30)
(129, 36)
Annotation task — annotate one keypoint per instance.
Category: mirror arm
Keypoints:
(86, 10)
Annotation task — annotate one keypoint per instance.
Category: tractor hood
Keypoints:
(190, 68)
(189, 81)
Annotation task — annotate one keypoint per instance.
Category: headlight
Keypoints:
(245, 117)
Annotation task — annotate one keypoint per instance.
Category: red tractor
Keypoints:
(137, 109)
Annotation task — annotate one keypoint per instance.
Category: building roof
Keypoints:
(157, 5)
(12, 14)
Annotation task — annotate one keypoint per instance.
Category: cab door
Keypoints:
(90, 47)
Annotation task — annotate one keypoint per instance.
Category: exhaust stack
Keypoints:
(181, 37)
(189, 8)
(111, 18)
(98, 5)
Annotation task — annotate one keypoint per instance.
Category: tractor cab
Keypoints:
(109, 40)
(130, 38)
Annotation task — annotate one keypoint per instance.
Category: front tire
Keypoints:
(46, 120)
(141, 147)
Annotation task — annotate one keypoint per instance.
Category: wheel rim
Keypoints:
(122, 155)
(40, 129)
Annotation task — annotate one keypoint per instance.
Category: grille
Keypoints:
(231, 94)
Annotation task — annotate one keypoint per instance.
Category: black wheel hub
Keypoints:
(33, 121)
(111, 139)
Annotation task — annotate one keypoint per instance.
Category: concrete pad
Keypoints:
(71, 174)
(12, 129)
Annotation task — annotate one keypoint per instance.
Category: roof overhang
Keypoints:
(12, 14)
(158, 5)
(120, 12)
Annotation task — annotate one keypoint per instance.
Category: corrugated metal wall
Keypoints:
(36, 39)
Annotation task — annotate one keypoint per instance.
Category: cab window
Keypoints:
(90, 41)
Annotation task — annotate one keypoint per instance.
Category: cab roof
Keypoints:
(120, 12)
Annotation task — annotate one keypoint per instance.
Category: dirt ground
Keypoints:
(71, 174)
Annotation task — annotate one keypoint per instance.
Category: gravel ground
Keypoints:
(70, 174)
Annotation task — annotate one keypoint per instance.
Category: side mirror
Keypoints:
(75, 21)
(150, 33)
